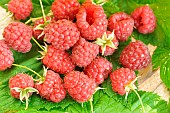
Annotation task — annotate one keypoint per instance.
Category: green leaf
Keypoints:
(110, 8)
(161, 58)
(3, 3)
(144, 1)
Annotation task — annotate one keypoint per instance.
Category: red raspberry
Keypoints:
(52, 87)
(20, 8)
(58, 60)
(65, 9)
(84, 52)
(121, 78)
(6, 56)
(21, 81)
(79, 86)
(145, 20)
(63, 34)
(37, 32)
(18, 35)
(135, 56)
(123, 25)
(21, 87)
(98, 69)
(91, 21)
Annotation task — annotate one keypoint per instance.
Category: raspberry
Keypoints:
(6, 56)
(58, 60)
(79, 86)
(121, 78)
(98, 69)
(52, 87)
(91, 21)
(18, 35)
(21, 81)
(65, 9)
(123, 25)
(37, 32)
(135, 56)
(84, 52)
(63, 34)
(145, 20)
(20, 8)
(108, 43)
(21, 87)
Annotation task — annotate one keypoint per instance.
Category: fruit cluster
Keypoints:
(75, 36)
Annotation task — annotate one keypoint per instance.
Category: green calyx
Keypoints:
(105, 41)
(42, 79)
(132, 87)
(25, 93)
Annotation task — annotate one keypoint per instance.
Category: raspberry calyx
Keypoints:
(106, 41)
(131, 86)
(24, 93)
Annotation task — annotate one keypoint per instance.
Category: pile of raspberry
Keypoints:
(77, 36)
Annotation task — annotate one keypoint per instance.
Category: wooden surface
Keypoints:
(149, 80)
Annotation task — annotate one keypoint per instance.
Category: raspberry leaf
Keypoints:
(110, 8)
(161, 58)
(144, 1)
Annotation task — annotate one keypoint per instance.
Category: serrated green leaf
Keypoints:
(165, 72)
(145, 1)
(161, 58)
(110, 8)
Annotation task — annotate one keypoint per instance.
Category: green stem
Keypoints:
(43, 11)
(32, 19)
(26, 99)
(25, 67)
(143, 109)
(38, 44)
(28, 21)
(91, 104)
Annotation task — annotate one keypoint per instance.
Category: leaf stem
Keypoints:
(28, 21)
(38, 44)
(143, 109)
(91, 104)
(25, 67)
(42, 11)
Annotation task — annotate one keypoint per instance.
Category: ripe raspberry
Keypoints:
(121, 78)
(18, 35)
(91, 21)
(20, 8)
(79, 86)
(58, 60)
(98, 69)
(65, 9)
(21, 81)
(6, 56)
(84, 52)
(52, 87)
(21, 87)
(145, 20)
(108, 43)
(63, 34)
(123, 25)
(135, 56)
(36, 31)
